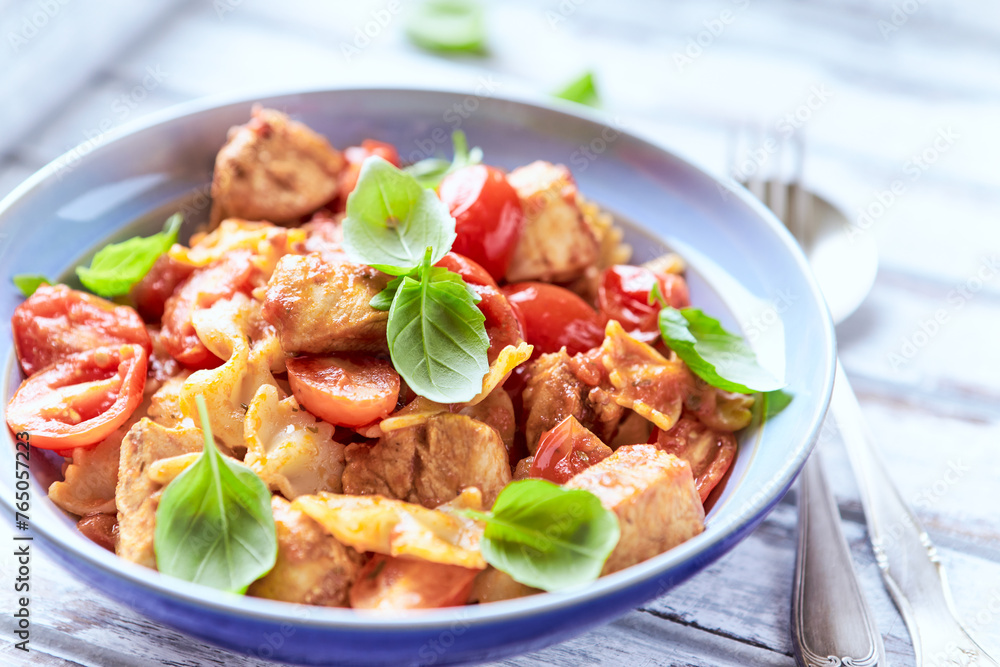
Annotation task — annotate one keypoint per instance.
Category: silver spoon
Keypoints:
(831, 622)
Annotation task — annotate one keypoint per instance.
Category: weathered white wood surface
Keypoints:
(869, 98)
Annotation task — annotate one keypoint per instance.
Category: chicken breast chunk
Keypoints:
(559, 386)
(273, 169)
(557, 244)
(654, 496)
(137, 494)
(430, 463)
(319, 306)
(312, 566)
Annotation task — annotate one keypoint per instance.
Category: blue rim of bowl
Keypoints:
(342, 618)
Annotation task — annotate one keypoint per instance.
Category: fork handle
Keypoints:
(831, 622)
(910, 565)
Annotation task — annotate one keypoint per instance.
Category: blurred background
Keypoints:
(896, 104)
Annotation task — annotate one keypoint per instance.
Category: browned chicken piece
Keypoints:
(559, 386)
(312, 566)
(557, 244)
(165, 403)
(137, 495)
(430, 463)
(497, 410)
(654, 496)
(274, 169)
(320, 306)
(493, 585)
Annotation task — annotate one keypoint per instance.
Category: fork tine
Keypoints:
(755, 178)
(801, 201)
(778, 194)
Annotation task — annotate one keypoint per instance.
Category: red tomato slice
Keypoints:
(392, 583)
(623, 295)
(81, 399)
(502, 324)
(710, 453)
(151, 293)
(554, 317)
(355, 156)
(566, 449)
(347, 390)
(57, 321)
(203, 288)
(488, 215)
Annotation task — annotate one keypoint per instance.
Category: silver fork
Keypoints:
(831, 622)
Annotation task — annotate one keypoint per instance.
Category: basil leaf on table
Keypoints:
(392, 219)
(718, 357)
(580, 90)
(29, 282)
(437, 337)
(547, 536)
(214, 524)
(431, 171)
(448, 25)
(118, 266)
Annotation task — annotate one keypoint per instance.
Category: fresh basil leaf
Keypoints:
(776, 401)
(29, 282)
(431, 171)
(580, 90)
(118, 266)
(383, 300)
(718, 357)
(391, 220)
(437, 339)
(547, 536)
(214, 524)
(448, 25)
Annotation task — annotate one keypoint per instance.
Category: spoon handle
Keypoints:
(831, 622)
(909, 562)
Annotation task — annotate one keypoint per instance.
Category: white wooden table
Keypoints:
(870, 85)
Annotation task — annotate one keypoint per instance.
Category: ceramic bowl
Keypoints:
(744, 267)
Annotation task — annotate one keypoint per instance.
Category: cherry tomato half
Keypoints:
(502, 323)
(623, 295)
(151, 293)
(57, 321)
(566, 449)
(709, 452)
(202, 288)
(554, 317)
(355, 157)
(488, 215)
(347, 390)
(81, 399)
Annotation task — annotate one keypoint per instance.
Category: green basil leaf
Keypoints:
(431, 171)
(383, 300)
(448, 25)
(214, 524)
(437, 339)
(29, 282)
(776, 401)
(391, 220)
(718, 357)
(580, 90)
(547, 536)
(118, 266)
